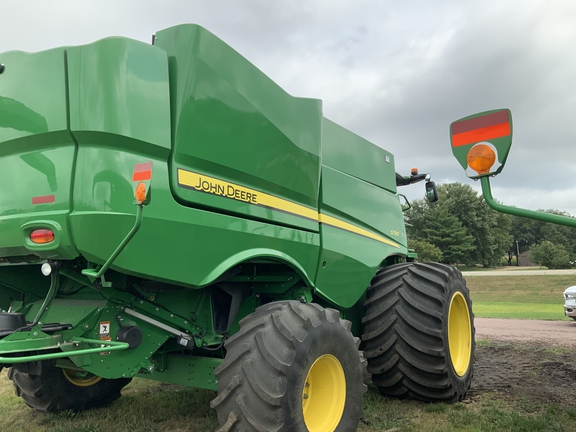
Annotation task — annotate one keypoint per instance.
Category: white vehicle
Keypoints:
(570, 302)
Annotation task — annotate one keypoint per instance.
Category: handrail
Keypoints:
(97, 274)
(105, 346)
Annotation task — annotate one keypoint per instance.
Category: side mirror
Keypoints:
(481, 142)
(431, 192)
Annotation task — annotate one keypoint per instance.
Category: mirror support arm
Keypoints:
(515, 211)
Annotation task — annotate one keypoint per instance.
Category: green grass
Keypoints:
(151, 406)
(522, 297)
(145, 406)
(537, 311)
(488, 412)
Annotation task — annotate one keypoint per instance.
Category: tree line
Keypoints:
(461, 228)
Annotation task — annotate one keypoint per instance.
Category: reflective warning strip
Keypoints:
(142, 171)
(485, 120)
(45, 199)
(484, 134)
(483, 128)
(214, 186)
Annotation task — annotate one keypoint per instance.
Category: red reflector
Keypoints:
(142, 171)
(483, 128)
(46, 199)
(42, 236)
(483, 134)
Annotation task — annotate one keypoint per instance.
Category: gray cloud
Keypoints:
(395, 72)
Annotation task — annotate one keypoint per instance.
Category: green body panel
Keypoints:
(190, 246)
(186, 370)
(119, 87)
(349, 153)
(351, 260)
(36, 153)
(75, 311)
(32, 95)
(231, 122)
(252, 197)
(357, 178)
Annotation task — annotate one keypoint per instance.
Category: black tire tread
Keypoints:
(261, 361)
(405, 332)
(46, 389)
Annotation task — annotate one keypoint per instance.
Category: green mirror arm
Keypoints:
(515, 211)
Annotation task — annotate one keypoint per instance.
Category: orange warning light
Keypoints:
(42, 236)
(140, 193)
(481, 158)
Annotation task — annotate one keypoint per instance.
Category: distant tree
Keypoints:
(488, 231)
(445, 231)
(426, 251)
(527, 232)
(550, 255)
(416, 217)
(530, 232)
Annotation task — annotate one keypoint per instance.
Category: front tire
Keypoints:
(51, 389)
(419, 332)
(291, 367)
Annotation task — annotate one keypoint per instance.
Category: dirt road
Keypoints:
(561, 333)
(533, 360)
(516, 272)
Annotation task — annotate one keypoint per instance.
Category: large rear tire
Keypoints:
(291, 367)
(51, 389)
(419, 332)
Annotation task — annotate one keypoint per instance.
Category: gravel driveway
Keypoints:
(527, 331)
(526, 360)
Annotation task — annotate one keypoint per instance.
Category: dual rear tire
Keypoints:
(419, 332)
(296, 367)
(51, 389)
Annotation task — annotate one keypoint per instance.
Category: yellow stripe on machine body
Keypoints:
(214, 186)
(338, 223)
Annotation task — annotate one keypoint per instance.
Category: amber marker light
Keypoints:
(481, 158)
(140, 193)
(42, 236)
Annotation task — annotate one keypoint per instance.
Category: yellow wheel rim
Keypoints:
(80, 378)
(324, 394)
(459, 334)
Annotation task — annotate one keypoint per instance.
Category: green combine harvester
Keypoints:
(170, 213)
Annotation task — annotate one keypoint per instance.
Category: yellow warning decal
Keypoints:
(214, 186)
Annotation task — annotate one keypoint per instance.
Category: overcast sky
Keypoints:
(397, 72)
